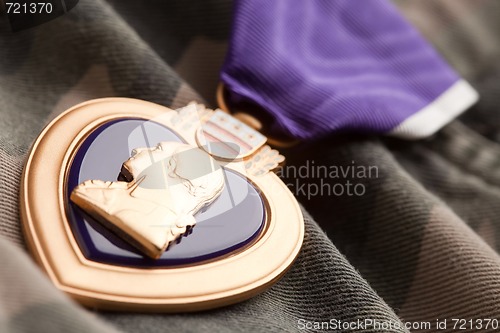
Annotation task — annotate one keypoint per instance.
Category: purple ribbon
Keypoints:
(323, 66)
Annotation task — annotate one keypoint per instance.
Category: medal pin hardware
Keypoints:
(129, 205)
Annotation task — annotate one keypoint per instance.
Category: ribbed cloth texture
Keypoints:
(321, 67)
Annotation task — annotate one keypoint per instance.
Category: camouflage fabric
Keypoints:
(417, 243)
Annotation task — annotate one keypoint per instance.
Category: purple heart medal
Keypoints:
(129, 205)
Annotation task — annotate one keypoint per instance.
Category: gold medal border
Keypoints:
(189, 288)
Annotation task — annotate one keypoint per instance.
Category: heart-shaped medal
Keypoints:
(130, 205)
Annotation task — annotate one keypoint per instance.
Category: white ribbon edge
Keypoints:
(428, 120)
